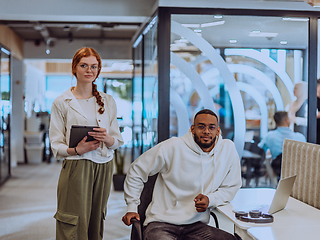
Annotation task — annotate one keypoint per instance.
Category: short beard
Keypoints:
(204, 145)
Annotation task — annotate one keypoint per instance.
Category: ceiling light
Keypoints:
(5, 51)
(183, 40)
(211, 24)
(89, 26)
(66, 28)
(137, 42)
(294, 19)
(197, 30)
(38, 27)
(150, 25)
(233, 41)
(191, 25)
(262, 34)
(256, 31)
(48, 46)
(283, 42)
(217, 16)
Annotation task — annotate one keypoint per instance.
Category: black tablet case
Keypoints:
(78, 132)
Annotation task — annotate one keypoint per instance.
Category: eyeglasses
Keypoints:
(85, 67)
(202, 128)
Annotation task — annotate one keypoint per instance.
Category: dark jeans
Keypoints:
(195, 231)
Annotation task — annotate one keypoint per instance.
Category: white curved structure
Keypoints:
(256, 55)
(181, 111)
(195, 79)
(230, 82)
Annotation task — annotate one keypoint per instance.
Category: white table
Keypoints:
(297, 221)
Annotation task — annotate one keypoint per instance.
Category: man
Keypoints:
(197, 172)
(274, 139)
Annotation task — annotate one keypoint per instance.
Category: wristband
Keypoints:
(75, 149)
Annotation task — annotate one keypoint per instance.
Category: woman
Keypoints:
(86, 174)
(298, 109)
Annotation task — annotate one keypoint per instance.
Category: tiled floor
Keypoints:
(28, 203)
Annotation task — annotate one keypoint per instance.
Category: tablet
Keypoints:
(78, 132)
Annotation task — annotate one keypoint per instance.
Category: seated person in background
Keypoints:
(274, 139)
(197, 172)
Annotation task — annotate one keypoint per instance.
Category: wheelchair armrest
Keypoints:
(137, 225)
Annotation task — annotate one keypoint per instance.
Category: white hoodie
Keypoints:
(184, 172)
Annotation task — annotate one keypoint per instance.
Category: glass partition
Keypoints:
(121, 90)
(137, 99)
(243, 67)
(150, 87)
(145, 89)
(5, 114)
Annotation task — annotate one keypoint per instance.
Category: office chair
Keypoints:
(145, 199)
(254, 163)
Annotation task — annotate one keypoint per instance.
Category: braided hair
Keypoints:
(87, 52)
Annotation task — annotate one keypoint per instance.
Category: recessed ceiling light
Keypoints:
(262, 34)
(295, 19)
(233, 41)
(89, 26)
(256, 31)
(211, 24)
(283, 42)
(217, 16)
(183, 40)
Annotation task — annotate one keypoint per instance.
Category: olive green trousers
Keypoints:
(83, 192)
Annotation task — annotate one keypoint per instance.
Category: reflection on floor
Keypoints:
(28, 203)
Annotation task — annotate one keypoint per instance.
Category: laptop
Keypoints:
(279, 201)
(281, 196)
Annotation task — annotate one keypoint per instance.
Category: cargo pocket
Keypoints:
(67, 225)
(103, 217)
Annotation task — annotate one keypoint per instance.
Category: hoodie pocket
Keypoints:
(181, 209)
(67, 225)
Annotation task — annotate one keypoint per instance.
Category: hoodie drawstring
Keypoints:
(201, 174)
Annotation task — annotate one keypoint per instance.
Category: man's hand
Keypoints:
(201, 203)
(129, 215)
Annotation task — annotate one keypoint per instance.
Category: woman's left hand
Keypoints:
(101, 135)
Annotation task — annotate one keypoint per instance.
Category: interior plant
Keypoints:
(119, 176)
